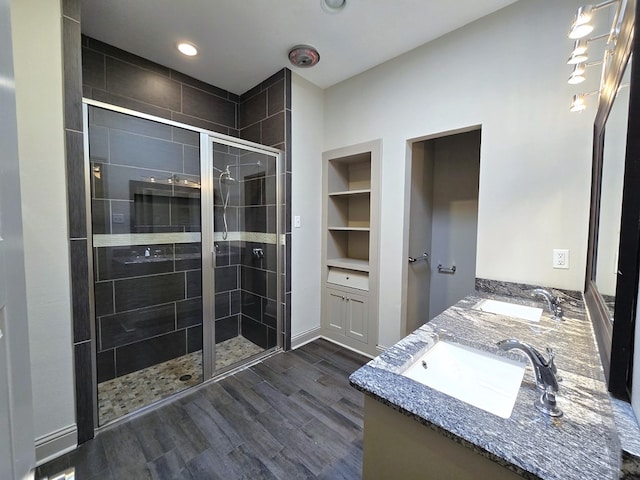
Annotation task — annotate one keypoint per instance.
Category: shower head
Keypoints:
(226, 174)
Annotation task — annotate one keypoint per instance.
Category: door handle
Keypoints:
(425, 256)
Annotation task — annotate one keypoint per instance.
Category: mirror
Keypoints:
(615, 211)
(613, 158)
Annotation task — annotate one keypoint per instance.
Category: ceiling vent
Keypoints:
(304, 56)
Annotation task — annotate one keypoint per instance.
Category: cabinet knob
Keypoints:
(347, 278)
(343, 297)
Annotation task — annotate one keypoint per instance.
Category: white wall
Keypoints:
(17, 452)
(506, 72)
(306, 200)
(38, 69)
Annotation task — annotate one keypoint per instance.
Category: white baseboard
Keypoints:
(364, 354)
(315, 333)
(305, 337)
(55, 444)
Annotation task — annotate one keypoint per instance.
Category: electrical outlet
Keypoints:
(560, 258)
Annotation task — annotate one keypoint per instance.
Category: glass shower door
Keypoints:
(146, 222)
(245, 223)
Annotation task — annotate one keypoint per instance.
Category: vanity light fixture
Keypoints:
(580, 28)
(188, 49)
(582, 25)
(578, 103)
(580, 52)
(577, 76)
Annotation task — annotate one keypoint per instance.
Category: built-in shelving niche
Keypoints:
(350, 246)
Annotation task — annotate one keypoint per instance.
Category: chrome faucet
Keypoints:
(552, 302)
(545, 371)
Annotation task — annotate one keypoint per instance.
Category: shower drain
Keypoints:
(184, 378)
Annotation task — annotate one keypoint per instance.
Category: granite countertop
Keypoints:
(582, 444)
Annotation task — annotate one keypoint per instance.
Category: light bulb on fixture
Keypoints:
(581, 26)
(187, 49)
(578, 104)
(579, 53)
(577, 76)
(575, 79)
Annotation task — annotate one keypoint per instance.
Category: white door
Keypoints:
(335, 310)
(420, 212)
(357, 317)
(17, 451)
(6, 461)
(442, 224)
(454, 221)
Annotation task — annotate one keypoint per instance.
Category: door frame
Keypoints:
(207, 137)
(407, 212)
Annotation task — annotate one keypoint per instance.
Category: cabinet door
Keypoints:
(357, 317)
(335, 310)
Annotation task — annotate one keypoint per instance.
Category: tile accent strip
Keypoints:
(126, 239)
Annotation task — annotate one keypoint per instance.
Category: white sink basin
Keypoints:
(478, 378)
(531, 314)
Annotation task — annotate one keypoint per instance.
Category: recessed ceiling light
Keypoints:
(187, 49)
(333, 6)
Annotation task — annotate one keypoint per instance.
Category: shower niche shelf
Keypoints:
(351, 178)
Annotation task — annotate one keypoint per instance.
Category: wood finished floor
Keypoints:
(293, 416)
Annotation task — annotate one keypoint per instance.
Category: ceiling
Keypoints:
(243, 42)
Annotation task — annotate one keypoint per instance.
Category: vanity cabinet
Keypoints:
(397, 446)
(348, 313)
(351, 178)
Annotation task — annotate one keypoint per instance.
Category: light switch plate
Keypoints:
(296, 221)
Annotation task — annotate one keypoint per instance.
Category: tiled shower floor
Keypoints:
(125, 394)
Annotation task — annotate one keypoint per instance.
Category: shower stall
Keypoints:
(186, 248)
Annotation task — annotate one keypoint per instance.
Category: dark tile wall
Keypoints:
(264, 116)
(76, 200)
(244, 267)
(102, 72)
(120, 78)
(148, 298)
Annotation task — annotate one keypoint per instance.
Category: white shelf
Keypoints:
(364, 191)
(349, 263)
(350, 229)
